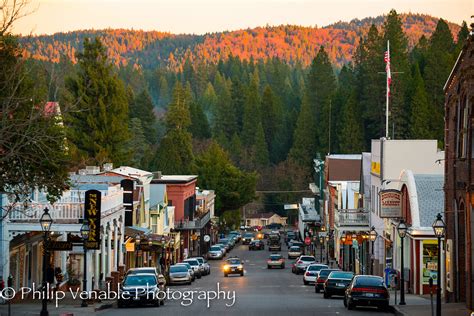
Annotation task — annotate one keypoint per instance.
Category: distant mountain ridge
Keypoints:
(291, 43)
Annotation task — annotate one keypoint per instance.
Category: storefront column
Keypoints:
(96, 269)
(109, 250)
(103, 269)
(116, 250)
(122, 235)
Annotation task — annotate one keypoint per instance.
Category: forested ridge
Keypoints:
(248, 107)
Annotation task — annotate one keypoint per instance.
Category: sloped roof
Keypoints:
(131, 172)
(430, 197)
(262, 215)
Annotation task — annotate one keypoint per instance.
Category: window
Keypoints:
(461, 128)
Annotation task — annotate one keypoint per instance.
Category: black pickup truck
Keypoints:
(274, 245)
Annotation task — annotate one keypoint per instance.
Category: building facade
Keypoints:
(459, 175)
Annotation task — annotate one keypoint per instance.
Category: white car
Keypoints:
(312, 273)
(206, 267)
(294, 252)
(215, 252)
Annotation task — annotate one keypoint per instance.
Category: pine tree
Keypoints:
(175, 154)
(138, 144)
(199, 125)
(304, 141)
(142, 108)
(164, 95)
(421, 126)
(439, 62)
(209, 102)
(251, 117)
(461, 38)
(225, 123)
(399, 105)
(260, 149)
(351, 137)
(98, 126)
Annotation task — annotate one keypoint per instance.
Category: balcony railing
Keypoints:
(69, 210)
(352, 217)
(197, 223)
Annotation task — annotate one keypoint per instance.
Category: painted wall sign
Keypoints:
(92, 210)
(390, 204)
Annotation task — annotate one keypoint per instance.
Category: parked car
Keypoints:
(233, 266)
(225, 243)
(256, 245)
(311, 273)
(276, 260)
(205, 264)
(367, 290)
(275, 245)
(223, 248)
(140, 288)
(301, 263)
(215, 252)
(322, 276)
(274, 226)
(152, 270)
(248, 237)
(290, 236)
(337, 282)
(180, 274)
(190, 269)
(236, 234)
(197, 267)
(294, 252)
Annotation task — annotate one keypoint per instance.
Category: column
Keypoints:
(116, 245)
(122, 236)
(109, 250)
(96, 269)
(103, 270)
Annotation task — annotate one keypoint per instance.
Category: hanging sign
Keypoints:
(92, 216)
(390, 204)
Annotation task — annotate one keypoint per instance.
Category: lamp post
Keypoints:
(321, 241)
(328, 236)
(137, 244)
(439, 228)
(353, 253)
(402, 231)
(372, 237)
(85, 230)
(119, 253)
(45, 222)
(343, 240)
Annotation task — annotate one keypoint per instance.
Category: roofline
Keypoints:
(461, 53)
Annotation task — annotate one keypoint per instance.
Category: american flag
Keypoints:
(387, 70)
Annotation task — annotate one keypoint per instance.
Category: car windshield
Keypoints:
(275, 257)
(138, 280)
(248, 235)
(341, 275)
(223, 241)
(316, 267)
(201, 260)
(295, 248)
(307, 258)
(325, 272)
(215, 248)
(181, 268)
(136, 271)
(187, 265)
(233, 261)
(368, 281)
(192, 262)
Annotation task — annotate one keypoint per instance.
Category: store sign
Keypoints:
(92, 216)
(375, 167)
(59, 245)
(390, 204)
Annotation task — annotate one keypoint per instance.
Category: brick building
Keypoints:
(459, 183)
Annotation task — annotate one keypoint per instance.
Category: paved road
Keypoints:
(259, 292)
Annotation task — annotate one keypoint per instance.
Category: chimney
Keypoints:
(108, 166)
(156, 175)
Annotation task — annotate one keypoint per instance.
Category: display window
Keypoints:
(430, 261)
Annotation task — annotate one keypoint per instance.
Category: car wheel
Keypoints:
(225, 275)
(268, 267)
(120, 305)
(384, 307)
(156, 303)
(242, 273)
(162, 302)
(283, 266)
(345, 302)
(305, 282)
(199, 276)
(189, 283)
(317, 290)
(326, 295)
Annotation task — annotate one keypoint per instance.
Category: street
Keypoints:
(260, 292)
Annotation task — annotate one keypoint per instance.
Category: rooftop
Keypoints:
(430, 197)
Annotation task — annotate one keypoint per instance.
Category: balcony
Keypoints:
(352, 219)
(68, 210)
(195, 224)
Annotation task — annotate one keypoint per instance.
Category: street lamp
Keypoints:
(321, 241)
(343, 240)
(402, 231)
(372, 237)
(45, 222)
(85, 230)
(328, 236)
(439, 228)
(353, 253)
(119, 235)
(137, 244)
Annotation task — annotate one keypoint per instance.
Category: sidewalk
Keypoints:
(418, 305)
(67, 306)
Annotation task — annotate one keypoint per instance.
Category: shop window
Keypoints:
(430, 261)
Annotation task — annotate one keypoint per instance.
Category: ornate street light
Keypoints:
(45, 221)
(372, 237)
(85, 230)
(119, 235)
(439, 228)
(402, 231)
(137, 244)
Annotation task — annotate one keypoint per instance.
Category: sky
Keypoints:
(206, 16)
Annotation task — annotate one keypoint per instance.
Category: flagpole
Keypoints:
(388, 91)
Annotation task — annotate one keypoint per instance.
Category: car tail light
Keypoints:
(307, 273)
(299, 262)
(320, 280)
